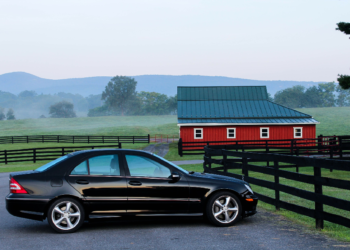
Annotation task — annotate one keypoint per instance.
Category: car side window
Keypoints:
(144, 166)
(99, 165)
(104, 165)
(81, 169)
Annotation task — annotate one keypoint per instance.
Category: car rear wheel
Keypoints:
(224, 209)
(66, 215)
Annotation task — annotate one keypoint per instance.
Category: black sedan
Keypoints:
(117, 182)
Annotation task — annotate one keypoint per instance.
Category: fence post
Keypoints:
(319, 143)
(267, 151)
(133, 139)
(120, 144)
(62, 151)
(179, 147)
(149, 138)
(34, 155)
(12, 139)
(318, 192)
(27, 139)
(297, 154)
(224, 159)
(42, 139)
(103, 139)
(277, 182)
(5, 156)
(244, 166)
(58, 139)
(340, 147)
(73, 139)
(88, 139)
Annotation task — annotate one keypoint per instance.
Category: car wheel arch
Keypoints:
(60, 197)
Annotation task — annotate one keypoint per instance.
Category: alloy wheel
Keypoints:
(66, 215)
(225, 209)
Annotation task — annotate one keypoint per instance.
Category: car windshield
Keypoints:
(172, 164)
(50, 164)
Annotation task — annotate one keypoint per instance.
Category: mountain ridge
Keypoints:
(15, 82)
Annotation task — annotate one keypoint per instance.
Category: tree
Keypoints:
(119, 93)
(2, 114)
(10, 115)
(326, 93)
(172, 104)
(344, 80)
(62, 109)
(153, 103)
(291, 97)
(27, 93)
(343, 99)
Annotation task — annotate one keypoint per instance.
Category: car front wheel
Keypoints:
(224, 209)
(66, 215)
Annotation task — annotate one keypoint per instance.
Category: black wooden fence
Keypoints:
(316, 179)
(322, 145)
(74, 139)
(43, 154)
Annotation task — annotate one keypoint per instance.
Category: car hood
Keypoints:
(218, 177)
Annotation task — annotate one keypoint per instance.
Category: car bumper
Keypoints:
(249, 205)
(30, 208)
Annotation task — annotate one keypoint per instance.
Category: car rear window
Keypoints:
(51, 163)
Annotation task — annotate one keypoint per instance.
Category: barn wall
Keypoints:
(219, 133)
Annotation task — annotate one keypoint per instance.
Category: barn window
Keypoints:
(264, 133)
(298, 132)
(198, 133)
(231, 132)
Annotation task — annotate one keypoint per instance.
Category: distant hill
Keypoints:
(166, 84)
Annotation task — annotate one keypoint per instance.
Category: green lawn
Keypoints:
(333, 121)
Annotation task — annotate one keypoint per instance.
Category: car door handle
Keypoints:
(83, 182)
(135, 183)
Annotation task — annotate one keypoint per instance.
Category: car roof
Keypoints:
(107, 150)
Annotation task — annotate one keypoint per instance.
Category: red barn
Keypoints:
(238, 113)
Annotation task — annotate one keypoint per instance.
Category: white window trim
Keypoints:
(194, 135)
(301, 131)
(228, 137)
(268, 133)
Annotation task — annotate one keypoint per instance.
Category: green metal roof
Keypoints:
(221, 93)
(241, 121)
(235, 109)
(233, 105)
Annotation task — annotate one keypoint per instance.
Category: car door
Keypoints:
(151, 188)
(101, 180)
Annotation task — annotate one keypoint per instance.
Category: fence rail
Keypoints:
(74, 139)
(316, 179)
(43, 154)
(331, 145)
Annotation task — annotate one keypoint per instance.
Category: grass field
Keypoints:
(107, 125)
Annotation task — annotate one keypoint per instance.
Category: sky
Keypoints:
(253, 39)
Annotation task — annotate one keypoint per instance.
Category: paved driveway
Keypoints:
(262, 231)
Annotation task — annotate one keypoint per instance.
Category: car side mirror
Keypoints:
(175, 176)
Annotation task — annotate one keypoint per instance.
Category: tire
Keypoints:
(66, 221)
(225, 214)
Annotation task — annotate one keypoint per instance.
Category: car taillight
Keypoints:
(16, 188)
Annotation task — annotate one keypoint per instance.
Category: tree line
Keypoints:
(322, 95)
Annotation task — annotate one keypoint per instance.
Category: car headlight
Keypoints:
(249, 189)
